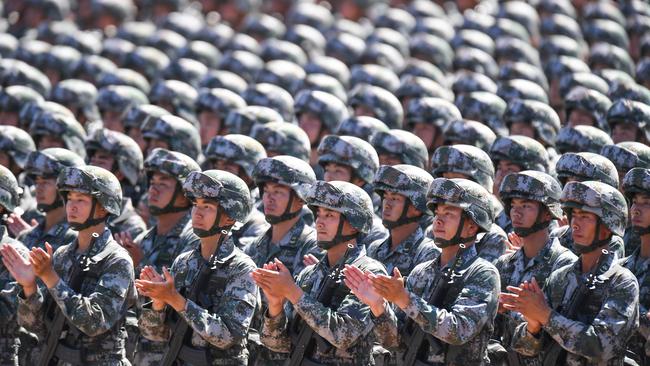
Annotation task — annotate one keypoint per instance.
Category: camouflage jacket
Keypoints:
(8, 299)
(161, 250)
(128, 221)
(244, 234)
(377, 232)
(97, 312)
(640, 267)
(608, 318)
(631, 241)
(490, 245)
(59, 235)
(415, 249)
(347, 328)
(565, 235)
(221, 314)
(463, 324)
(515, 268)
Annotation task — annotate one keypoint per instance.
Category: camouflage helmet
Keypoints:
(474, 59)
(126, 152)
(187, 70)
(582, 138)
(535, 186)
(98, 182)
(521, 150)
(281, 138)
(522, 70)
(637, 180)
(324, 83)
(588, 80)
(330, 109)
(363, 127)
(172, 163)
(586, 166)
(591, 102)
(376, 75)
(343, 197)
(60, 125)
(227, 189)
(78, 93)
(469, 132)
(223, 79)
(409, 148)
(540, 115)
(276, 49)
(407, 180)
(431, 48)
(49, 163)
(10, 191)
(465, 81)
(139, 114)
(329, 66)
(383, 104)
(605, 55)
(272, 96)
(627, 155)
(179, 134)
(119, 98)
(468, 160)
(286, 170)
(243, 63)
(435, 111)
(14, 97)
(349, 151)
(17, 143)
(242, 150)
(345, 47)
(180, 95)
(511, 90)
(220, 101)
(242, 121)
(413, 86)
(125, 77)
(283, 73)
(469, 196)
(600, 199)
(630, 111)
(20, 73)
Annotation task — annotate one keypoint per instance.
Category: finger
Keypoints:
(34, 223)
(515, 289)
(49, 249)
(168, 276)
(536, 286)
(281, 266)
(397, 273)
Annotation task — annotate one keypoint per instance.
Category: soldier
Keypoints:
(438, 322)
(114, 103)
(533, 119)
(428, 118)
(136, 117)
(593, 305)
(212, 108)
(627, 155)
(12, 100)
(363, 127)
(532, 201)
(208, 291)
(241, 121)
(636, 186)
(586, 107)
(281, 138)
(334, 326)
(373, 101)
(464, 131)
(9, 328)
(629, 120)
(173, 133)
(582, 139)
(119, 154)
(79, 96)
(177, 97)
(54, 129)
(89, 308)
(400, 147)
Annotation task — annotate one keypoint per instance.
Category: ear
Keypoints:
(470, 227)
(412, 211)
(100, 211)
(546, 216)
(604, 232)
(348, 229)
(297, 203)
(357, 181)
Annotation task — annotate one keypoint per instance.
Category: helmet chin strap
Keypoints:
(403, 219)
(214, 229)
(286, 215)
(595, 244)
(456, 239)
(47, 207)
(640, 231)
(169, 207)
(337, 239)
(90, 220)
(537, 226)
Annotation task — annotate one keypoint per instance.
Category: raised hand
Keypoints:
(514, 243)
(274, 300)
(359, 283)
(391, 288)
(124, 239)
(41, 260)
(528, 299)
(162, 292)
(309, 260)
(19, 267)
(278, 283)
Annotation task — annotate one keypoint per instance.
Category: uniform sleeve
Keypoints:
(228, 325)
(104, 307)
(152, 324)
(525, 343)
(603, 338)
(491, 246)
(274, 334)
(471, 311)
(385, 329)
(31, 312)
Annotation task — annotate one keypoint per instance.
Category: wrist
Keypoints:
(295, 293)
(546, 317)
(533, 327)
(29, 289)
(378, 308)
(275, 309)
(403, 300)
(50, 279)
(177, 302)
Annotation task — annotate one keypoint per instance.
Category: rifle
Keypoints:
(181, 331)
(304, 346)
(53, 350)
(417, 341)
(555, 354)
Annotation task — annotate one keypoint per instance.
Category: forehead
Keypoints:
(207, 201)
(274, 185)
(324, 210)
(336, 166)
(641, 196)
(162, 176)
(578, 211)
(447, 208)
(79, 195)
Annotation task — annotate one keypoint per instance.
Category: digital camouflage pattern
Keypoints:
(407, 180)
(172, 163)
(58, 235)
(347, 328)
(10, 191)
(469, 132)
(271, 96)
(79, 94)
(48, 163)
(286, 170)
(468, 160)
(220, 318)
(363, 127)
(639, 344)
(137, 115)
(540, 115)
(119, 98)
(97, 312)
(608, 318)
(485, 107)
(128, 221)
(179, 134)
(404, 145)
(586, 166)
(383, 104)
(281, 138)
(180, 95)
(349, 151)
(600, 199)
(415, 249)
(241, 121)
(95, 181)
(465, 321)
(413, 86)
(524, 151)
(436, 111)
(343, 197)
(626, 156)
(330, 109)
(582, 139)
(535, 186)
(226, 188)
(16, 143)
(62, 126)
(464, 194)
(14, 97)
(237, 149)
(589, 101)
(220, 101)
(126, 152)
(630, 111)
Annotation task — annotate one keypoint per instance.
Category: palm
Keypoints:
(23, 272)
(366, 293)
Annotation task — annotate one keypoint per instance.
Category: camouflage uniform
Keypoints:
(609, 315)
(346, 328)
(220, 318)
(464, 321)
(241, 121)
(17, 143)
(435, 111)
(96, 314)
(590, 101)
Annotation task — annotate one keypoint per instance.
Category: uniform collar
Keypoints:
(406, 246)
(355, 253)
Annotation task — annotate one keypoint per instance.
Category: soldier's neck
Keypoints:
(449, 253)
(85, 236)
(54, 217)
(534, 243)
(209, 245)
(644, 251)
(590, 260)
(335, 253)
(401, 233)
(167, 221)
(279, 230)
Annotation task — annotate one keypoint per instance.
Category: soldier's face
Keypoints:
(205, 212)
(161, 189)
(452, 175)
(446, 221)
(210, 126)
(154, 143)
(335, 171)
(392, 205)
(504, 167)
(580, 117)
(45, 190)
(522, 128)
(428, 133)
(103, 159)
(79, 206)
(311, 124)
(362, 110)
(276, 198)
(584, 225)
(624, 132)
(327, 224)
(523, 213)
(113, 120)
(50, 141)
(389, 159)
(227, 166)
(9, 119)
(640, 210)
